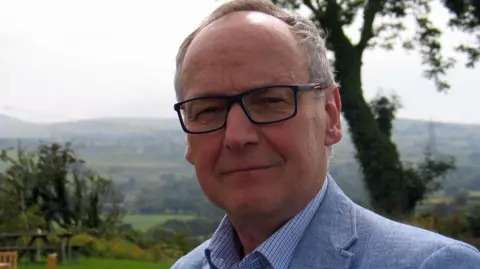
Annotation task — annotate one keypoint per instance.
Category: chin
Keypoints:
(250, 205)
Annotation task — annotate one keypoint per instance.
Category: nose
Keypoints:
(239, 131)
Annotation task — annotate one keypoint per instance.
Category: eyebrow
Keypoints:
(208, 94)
(279, 80)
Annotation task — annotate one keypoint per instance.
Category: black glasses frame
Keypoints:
(238, 99)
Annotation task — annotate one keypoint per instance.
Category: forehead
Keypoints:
(239, 52)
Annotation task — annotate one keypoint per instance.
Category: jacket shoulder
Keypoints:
(453, 256)
(195, 259)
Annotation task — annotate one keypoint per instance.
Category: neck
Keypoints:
(252, 231)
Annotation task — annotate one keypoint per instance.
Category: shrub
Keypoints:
(122, 249)
(473, 216)
(455, 225)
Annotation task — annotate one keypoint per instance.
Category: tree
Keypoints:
(390, 184)
(466, 17)
(384, 109)
(53, 182)
(10, 219)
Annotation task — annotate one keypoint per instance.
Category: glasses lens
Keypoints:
(204, 114)
(270, 104)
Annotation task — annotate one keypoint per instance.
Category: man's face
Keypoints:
(239, 52)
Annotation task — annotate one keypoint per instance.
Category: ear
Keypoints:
(188, 151)
(333, 108)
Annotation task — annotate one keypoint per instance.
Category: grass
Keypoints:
(475, 194)
(437, 200)
(101, 264)
(145, 222)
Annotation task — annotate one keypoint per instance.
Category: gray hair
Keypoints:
(310, 37)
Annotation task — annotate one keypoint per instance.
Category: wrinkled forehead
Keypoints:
(241, 52)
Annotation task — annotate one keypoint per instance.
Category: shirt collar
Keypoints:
(224, 248)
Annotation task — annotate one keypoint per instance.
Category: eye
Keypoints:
(271, 100)
(208, 113)
(209, 109)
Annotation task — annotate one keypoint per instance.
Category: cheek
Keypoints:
(304, 141)
(288, 143)
(204, 152)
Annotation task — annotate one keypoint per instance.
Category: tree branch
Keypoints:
(316, 11)
(371, 9)
(328, 15)
(333, 11)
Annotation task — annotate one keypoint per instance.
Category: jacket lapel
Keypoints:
(329, 235)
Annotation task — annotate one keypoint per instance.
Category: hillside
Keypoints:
(140, 152)
(15, 128)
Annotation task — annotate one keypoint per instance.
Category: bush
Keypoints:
(473, 216)
(455, 225)
(122, 249)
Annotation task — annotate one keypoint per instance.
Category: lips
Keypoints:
(246, 169)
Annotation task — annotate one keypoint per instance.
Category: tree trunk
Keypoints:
(376, 153)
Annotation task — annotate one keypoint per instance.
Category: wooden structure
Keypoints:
(8, 260)
(39, 244)
(52, 261)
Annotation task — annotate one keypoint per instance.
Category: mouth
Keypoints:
(246, 170)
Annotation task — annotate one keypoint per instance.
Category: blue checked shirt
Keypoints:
(276, 252)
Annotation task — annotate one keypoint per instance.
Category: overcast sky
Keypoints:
(66, 60)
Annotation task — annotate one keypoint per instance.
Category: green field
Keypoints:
(101, 264)
(145, 222)
(474, 194)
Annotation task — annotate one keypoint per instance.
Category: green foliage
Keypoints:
(384, 110)
(473, 217)
(95, 263)
(455, 225)
(466, 18)
(144, 222)
(425, 177)
(178, 235)
(11, 221)
(52, 182)
(197, 227)
(457, 217)
(175, 195)
(123, 249)
(384, 27)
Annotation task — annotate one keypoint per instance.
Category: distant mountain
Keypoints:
(15, 128)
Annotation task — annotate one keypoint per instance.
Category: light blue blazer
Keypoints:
(344, 235)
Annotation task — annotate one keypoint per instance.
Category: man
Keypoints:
(261, 109)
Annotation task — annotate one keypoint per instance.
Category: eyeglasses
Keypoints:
(265, 105)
